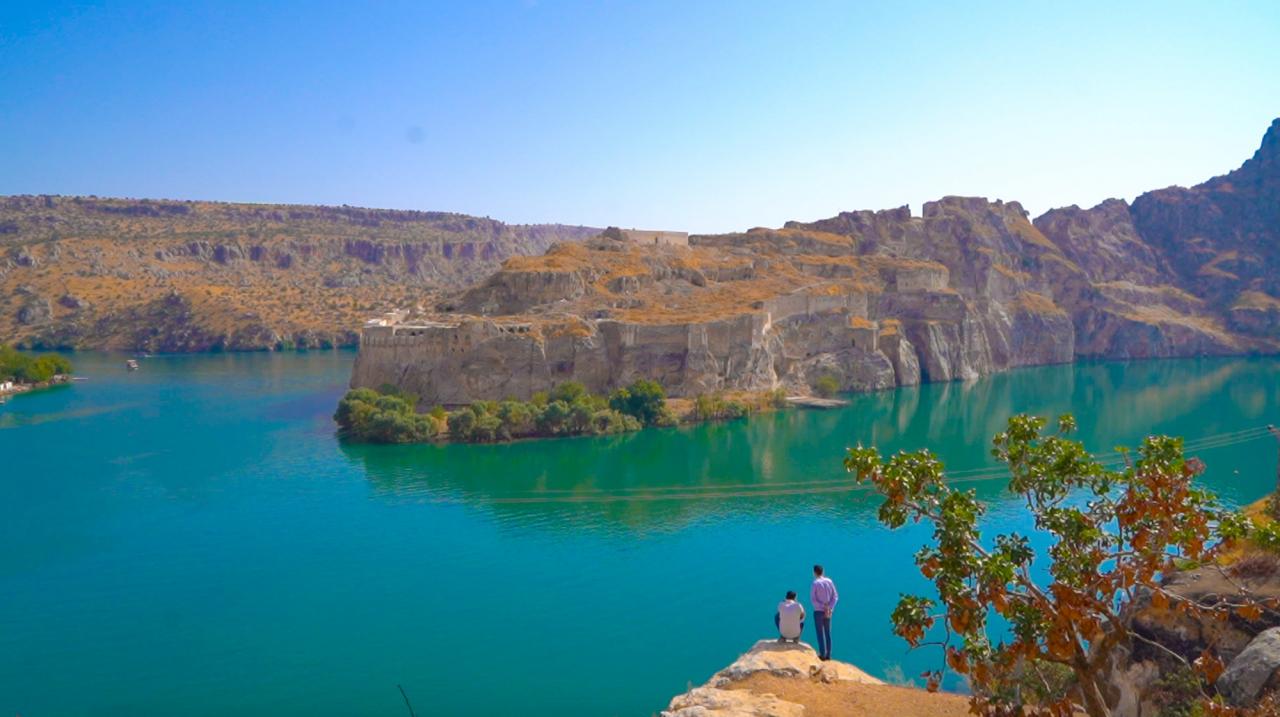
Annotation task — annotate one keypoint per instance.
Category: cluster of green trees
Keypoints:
(368, 415)
(387, 416)
(22, 368)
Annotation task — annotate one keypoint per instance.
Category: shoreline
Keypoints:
(682, 407)
(718, 407)
(19, 389)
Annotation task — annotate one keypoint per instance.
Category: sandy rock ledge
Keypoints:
(766, 657)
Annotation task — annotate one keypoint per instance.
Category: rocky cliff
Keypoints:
(775, 679)
(874, 299)
(190, 276)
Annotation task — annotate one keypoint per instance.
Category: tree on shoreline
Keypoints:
(1113, 534)
(23, 368)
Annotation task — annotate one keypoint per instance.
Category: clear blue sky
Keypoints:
(685, 115)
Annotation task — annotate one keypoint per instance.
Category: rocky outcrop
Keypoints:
(1183, 271)
(1253, 669)
(753, 311)
(718, 697)
(871, 299)
(1170, 638)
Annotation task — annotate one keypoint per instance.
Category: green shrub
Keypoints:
(367, 415)
(517, 417)
(645, 401)
(609, 421)
(553, 418)
(388, 415)
(1267, 537)
(580, 413)
(487, 428)
(462, 422)
(827, 385)
(569, 391)
(712, 407)
(1178, 693)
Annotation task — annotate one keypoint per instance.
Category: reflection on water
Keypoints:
(190, 538)
(788, 462)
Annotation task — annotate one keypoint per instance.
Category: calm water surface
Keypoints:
(192, 539)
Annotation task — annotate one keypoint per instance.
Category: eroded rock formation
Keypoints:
(874, 299)
(725, 695)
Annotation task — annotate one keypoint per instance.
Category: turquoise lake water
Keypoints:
(192, 539)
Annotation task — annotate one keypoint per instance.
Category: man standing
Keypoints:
(823, 597)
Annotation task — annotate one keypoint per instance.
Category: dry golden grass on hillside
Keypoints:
(855, 699)
(1257, 300)
(710, 282)
(1036, 303)
(240, 266)
(1212, 269)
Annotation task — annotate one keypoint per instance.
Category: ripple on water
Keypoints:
(191, 538)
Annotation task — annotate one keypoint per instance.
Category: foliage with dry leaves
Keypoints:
(1112, 535)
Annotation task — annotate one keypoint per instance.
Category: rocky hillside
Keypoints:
(189, 276)
(873, 299)
(1181, 271)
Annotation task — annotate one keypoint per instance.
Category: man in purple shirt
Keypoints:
(823, 597)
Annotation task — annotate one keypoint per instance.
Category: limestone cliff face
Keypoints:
(874, 299)
(752, 311)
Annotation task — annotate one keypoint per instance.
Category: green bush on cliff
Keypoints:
(714, 407)
(645, 401)
(22, 368)
(569, 391)
(826, 386)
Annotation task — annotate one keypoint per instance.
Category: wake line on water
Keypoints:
(817, 487)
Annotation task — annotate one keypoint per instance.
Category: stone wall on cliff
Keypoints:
(743, 312)
(874, 299)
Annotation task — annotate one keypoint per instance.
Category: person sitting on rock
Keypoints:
(789, 618)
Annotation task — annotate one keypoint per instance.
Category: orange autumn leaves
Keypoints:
(1111, 534)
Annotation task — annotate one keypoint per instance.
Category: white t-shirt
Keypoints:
(790, 615)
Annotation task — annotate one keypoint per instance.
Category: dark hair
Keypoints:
(817, 570)
(791, 594)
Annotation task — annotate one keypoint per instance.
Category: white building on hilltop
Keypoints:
(652, 236)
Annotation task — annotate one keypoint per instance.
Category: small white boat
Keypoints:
(131, 364)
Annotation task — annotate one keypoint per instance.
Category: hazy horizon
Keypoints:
(707, 118)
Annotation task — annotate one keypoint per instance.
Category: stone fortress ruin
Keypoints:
(752, 311)
(649, 236)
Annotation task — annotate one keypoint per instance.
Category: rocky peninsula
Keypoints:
(775, 679)
(870, 299)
